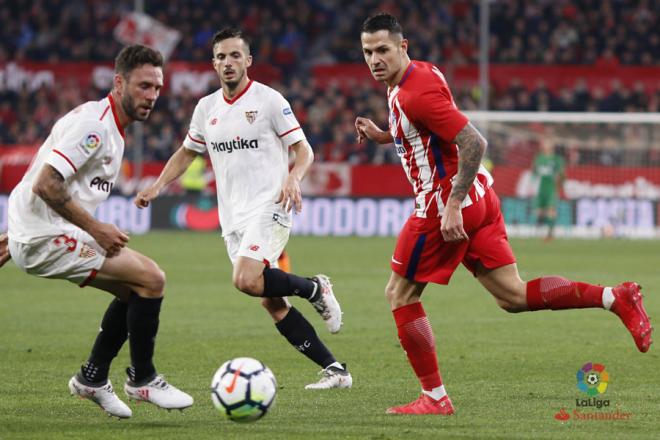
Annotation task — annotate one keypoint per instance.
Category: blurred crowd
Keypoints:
(299, 32)
(296, 35)
(327, 114)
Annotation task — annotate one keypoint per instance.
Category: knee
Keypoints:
(154, 282)
(394, 297)
(246, 284)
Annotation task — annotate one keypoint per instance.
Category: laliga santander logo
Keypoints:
(562, 415)
(92, 140)
(592, 379)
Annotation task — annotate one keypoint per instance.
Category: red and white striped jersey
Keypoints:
(424, 121)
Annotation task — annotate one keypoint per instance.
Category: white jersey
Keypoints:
(86, 146)
(248, 139)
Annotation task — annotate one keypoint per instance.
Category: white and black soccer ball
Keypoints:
(592, 378)
(243, 389)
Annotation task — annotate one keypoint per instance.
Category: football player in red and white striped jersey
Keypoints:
(457, 217)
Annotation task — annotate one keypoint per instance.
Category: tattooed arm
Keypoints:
(4, 249)
(52, 189)
(471, 146)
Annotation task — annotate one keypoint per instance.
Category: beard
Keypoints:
(233, 83)
(130, 108)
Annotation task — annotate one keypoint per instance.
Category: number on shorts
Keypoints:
(69, 242)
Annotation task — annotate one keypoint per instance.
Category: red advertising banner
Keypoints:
(342, 179)
(196, 77)
(584, 181)
(555, 77)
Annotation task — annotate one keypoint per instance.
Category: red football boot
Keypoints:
(628, 306)
(425, 405)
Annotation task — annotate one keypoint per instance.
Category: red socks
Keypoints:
(416, 336)
(558, 293)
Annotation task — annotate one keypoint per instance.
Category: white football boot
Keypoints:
(332, 377)
(103, 396)
(327, 305)
(160, 393)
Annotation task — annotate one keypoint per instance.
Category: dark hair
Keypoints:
(230, 32)
(382, 22)
(134, 56)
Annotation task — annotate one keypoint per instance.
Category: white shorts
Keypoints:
(73, 256)
(263, 239)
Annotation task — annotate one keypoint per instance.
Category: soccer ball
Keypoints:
(243, 389)
(592, 378)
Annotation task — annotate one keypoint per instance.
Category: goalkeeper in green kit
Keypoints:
(549, 170)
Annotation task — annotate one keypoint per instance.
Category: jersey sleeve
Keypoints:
(284, 122)
(195, 138)
(80, 142)
(436, 111)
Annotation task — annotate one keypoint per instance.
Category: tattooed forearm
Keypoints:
(471, 148)
(52, 190)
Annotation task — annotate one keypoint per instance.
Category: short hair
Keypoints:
(230, 32)
(382, 22)
(134, 56)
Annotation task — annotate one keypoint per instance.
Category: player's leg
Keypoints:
(146, 282)
(539, 210)
(254, 255)
(420, 256)
(71, 257)
(301, 335)
(418, 342)
(551, 218)
(252, 276)
(491, 259)
(92, 381)
(558, 293)
(113, 333)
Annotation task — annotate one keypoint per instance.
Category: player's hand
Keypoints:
(291, 195)
(110, 238)
(451, 224)
(4, 249)
(143, 198)
(367, 129)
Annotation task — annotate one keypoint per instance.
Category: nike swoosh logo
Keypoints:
(232, 385)
(396, 261)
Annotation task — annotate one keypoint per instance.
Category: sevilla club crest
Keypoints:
(251, 116)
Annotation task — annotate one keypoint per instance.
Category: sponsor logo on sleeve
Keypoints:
(91, 141)
(287, 111)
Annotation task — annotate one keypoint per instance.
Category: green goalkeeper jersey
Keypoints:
(549, 169)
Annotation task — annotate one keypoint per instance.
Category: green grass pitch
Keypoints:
(508, 375)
